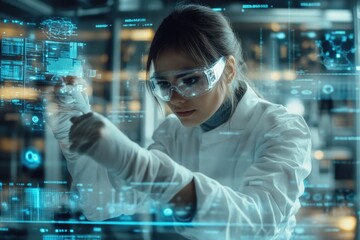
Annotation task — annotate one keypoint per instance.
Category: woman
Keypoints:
(227, 161)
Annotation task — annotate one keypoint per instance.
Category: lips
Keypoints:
(184, 113)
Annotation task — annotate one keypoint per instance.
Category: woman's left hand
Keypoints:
(85, 132)
(94, 135)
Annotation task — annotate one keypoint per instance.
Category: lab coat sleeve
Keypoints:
(98, 195)
(265, 204)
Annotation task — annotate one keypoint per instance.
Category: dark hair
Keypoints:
(201, 34)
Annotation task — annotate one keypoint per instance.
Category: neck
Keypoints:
(223, 114)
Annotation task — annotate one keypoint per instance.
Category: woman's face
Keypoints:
(191, 111)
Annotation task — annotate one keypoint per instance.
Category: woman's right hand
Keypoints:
(67, 99)
(95, 187)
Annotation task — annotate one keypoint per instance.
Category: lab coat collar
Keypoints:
(238, 122)
(244, 110)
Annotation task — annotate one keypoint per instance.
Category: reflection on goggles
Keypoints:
(188, 83)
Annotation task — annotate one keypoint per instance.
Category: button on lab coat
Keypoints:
(249, 171)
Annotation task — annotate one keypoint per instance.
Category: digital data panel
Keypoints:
(301, 54)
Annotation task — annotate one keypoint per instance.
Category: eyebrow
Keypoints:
(179, 75)
(185, 70)
(182, 75)
(160, 77)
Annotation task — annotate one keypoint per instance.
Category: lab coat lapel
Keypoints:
(238, 122)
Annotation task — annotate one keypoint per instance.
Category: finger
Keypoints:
(81, 118)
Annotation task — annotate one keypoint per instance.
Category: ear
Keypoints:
(230, 69)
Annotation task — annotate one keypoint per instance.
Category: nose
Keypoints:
(176, 98)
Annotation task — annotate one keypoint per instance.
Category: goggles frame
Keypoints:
(212, 75)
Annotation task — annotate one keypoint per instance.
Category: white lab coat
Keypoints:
(248, 172)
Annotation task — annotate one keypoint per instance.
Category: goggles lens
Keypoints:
(188, 83)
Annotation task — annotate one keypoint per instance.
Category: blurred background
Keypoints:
(302, 54)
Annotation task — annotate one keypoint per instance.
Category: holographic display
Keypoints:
(30, 64)
(288, 59)
(337, 50)
(58, 28)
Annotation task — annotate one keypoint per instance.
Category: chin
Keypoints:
(189, 123)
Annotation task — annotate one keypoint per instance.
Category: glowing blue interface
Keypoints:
(27, 65)
(302, 55)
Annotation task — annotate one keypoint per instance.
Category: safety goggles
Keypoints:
(188, 83)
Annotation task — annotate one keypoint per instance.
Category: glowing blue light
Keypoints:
(281, 35)
(317, 197)
(328, 196)
(334, 52)
(328, 89)
(26, 211)
(167, 212)
(58, 28)
(35, 119)
(294, 91)
(32, 158)
(101, 25)
(306, 92)
(311, 34)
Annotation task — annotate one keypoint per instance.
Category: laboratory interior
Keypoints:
(302, 54)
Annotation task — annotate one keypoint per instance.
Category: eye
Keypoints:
(190, 80)
(163, 84)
